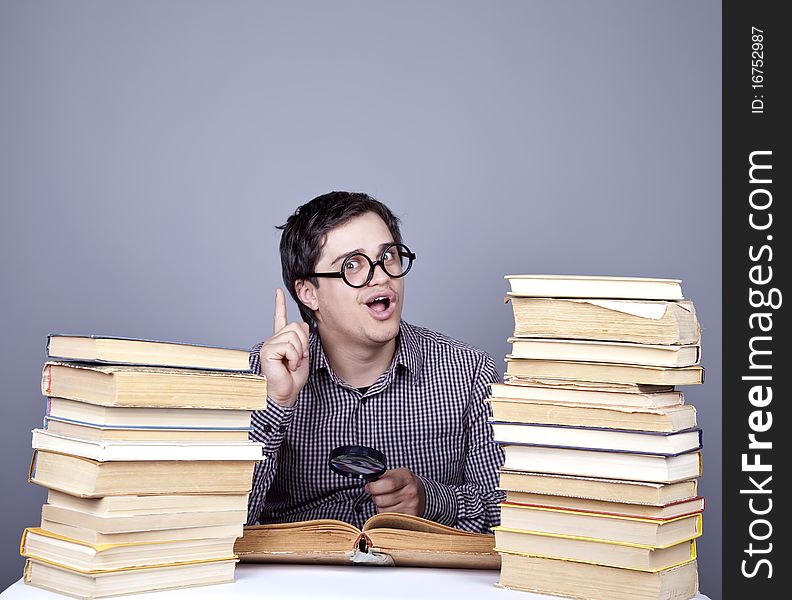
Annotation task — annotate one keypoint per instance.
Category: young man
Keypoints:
(354, 373)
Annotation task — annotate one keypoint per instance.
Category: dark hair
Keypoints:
(305, 233)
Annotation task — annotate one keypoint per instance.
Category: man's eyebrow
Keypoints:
(382, 247)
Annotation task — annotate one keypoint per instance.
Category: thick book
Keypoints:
(137, 433)
(96, 415)
(674, 418)
(643, 322)
(153, 386)
(145, 451)
(388, 539)
(91, 536)
(132, 505)
(136, 351)
(595, 286)
(127, 581)
(657, 355)
(80, 556)
(597, 463)
(604, 489)
(142, 521)
(596, 582)
(557, 391)
(622, 529)
(593, 438)
(670, 510)
(625, 556)
(92, 479)
(605, 372)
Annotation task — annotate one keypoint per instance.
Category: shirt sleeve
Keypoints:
(269, 427)
(472, 506)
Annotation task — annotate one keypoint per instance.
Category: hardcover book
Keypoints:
(126, 581)
(120, 450)
(96, 415)
(593, 438)
(80, 556)
(585, 392)
(673, 418)
(619, 529)
(656, 355)
(639, 321)
(624, 556)
(97, 538)
(605, 489)
(84, 477)
(596, 463)
(596, 582)
(136, 351)
(595, 286)
(112, 385)
(669, 510)
(138, 433)
(605, 372)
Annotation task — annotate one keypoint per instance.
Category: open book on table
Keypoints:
(386, 539)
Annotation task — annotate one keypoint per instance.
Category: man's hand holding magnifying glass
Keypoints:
(398, 490)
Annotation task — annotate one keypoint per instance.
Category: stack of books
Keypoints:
(602, 454)
(145, 454)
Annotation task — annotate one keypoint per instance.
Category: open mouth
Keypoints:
(380, 304)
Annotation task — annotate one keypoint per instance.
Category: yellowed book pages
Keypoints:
(644, 322)
(94, 433)
(595, 552)
(619, 529)
(49, 547)
(605, 372)
(117, 350)
(596, 582)
(386, 538)
(112, 385)
(126, 581)
(660, 355)
(598, 488)
(673, 418)
(88, 478)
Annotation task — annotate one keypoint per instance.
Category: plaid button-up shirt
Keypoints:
(426, 413)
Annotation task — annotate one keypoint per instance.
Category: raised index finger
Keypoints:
(279, 321)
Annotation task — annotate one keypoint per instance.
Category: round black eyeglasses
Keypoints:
(357, 270)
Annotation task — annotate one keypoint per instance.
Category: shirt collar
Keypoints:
(408, 353)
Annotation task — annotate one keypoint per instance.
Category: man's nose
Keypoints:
(379, 276)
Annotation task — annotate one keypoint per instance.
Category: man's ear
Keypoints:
(306, 292)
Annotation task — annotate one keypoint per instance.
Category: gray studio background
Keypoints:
(148, 149)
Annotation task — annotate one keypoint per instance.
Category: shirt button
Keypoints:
(358, 509)
(267, 428)
(282, 428)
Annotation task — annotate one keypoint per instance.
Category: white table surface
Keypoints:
(293, 582)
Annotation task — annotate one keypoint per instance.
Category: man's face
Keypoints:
(369, 315)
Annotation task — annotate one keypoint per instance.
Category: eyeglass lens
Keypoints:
(358, 268)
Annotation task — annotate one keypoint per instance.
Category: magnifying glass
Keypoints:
(357, 462)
